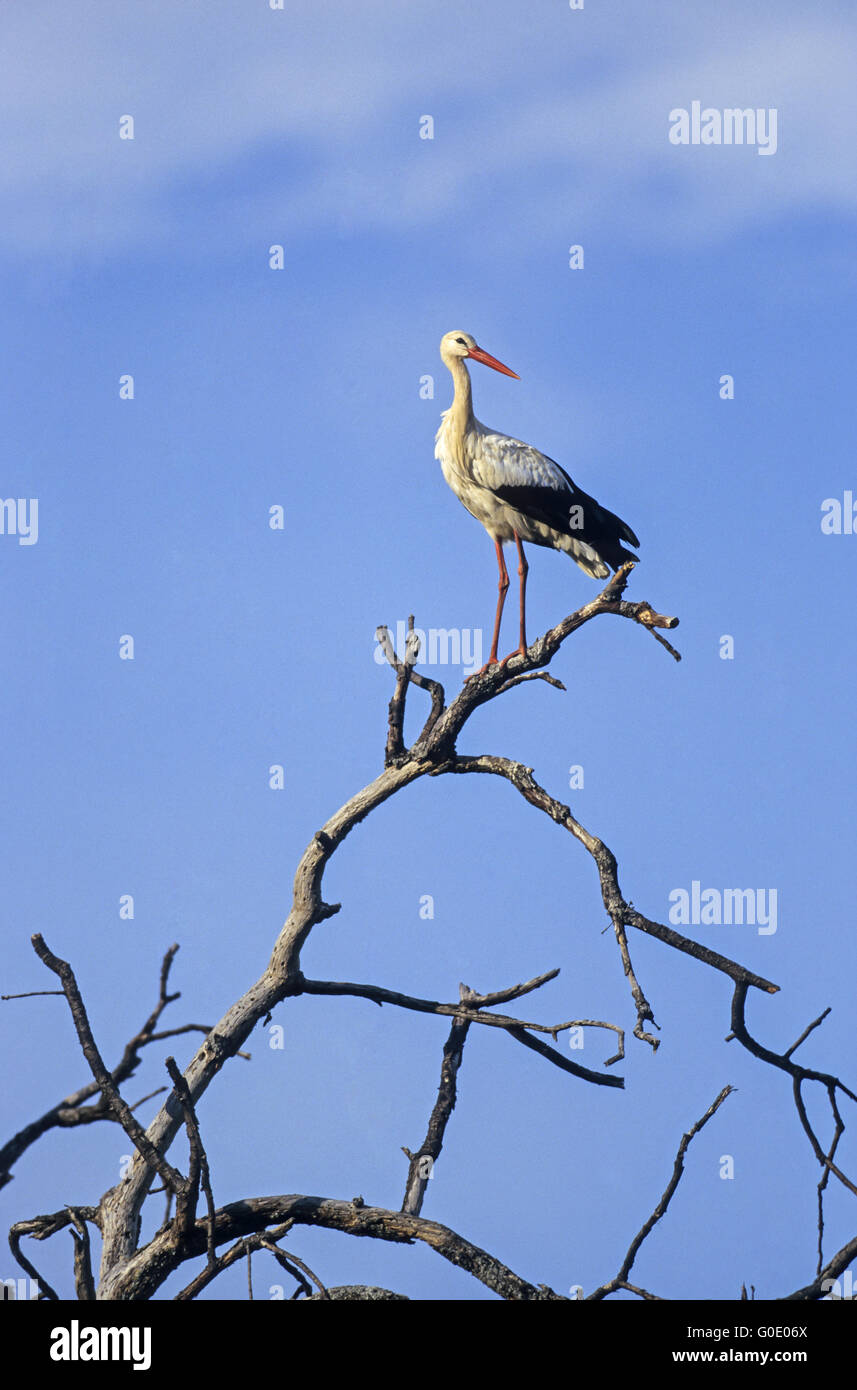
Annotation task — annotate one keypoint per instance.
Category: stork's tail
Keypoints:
(599, 549)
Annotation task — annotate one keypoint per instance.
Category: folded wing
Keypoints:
(538, 487)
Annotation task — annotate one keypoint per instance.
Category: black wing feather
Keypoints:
(601, 529)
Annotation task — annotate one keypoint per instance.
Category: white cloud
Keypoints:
(303, 119)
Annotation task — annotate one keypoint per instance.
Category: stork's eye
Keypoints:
(461, 340)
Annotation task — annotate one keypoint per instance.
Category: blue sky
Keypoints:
(253, 647)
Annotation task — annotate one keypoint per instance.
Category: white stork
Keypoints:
(516, 492)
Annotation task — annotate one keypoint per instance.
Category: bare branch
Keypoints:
(132, 1273)
(531, 676)
(292, 1264)
(806, 1032)
(159, 1091)
(632, 1288)
(422, 1163)
(494, 680)
(32, 994)
(600, 1023)
(211, 1271)
(799, 1075)
(360, 1293)
(832, 1270)
(405, 675)
(504, 996)
(678, 1168)
(187, 1198)
(430, 756)
(517, 1028)
(263, 1240)
(102, 1076)
(83, 1281)
(71, 1111)
(522, 779)
(42, 1228)
(644, 1008)
(142, 1276)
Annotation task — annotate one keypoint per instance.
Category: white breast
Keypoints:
(483, 460)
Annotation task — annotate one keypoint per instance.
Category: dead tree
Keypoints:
(195, 1228)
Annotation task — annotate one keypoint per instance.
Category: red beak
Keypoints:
(479, 355)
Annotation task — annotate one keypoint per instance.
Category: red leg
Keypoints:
(523, 571)
(502, 586)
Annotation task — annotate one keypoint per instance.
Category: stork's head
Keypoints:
(460, 344)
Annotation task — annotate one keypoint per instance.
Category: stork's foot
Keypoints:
(492, 661)
(519, 651)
